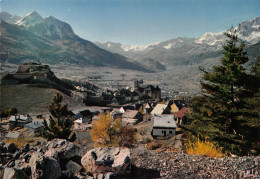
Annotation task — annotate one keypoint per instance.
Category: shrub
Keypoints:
(152, 145)
(127, 136)
(203, 147)
(19, 142)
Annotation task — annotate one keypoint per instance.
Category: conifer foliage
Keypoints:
(60, 121)
(220, 114)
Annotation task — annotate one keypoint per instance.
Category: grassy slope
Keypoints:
(30, 98)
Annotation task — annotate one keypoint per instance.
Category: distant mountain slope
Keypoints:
(53, 41)
(187, 51)
(9, 18)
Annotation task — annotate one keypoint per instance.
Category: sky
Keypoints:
(140, 22)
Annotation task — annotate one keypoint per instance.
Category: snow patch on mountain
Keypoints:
(249, 30)
(136, 48)
(211, 39)
(168, 46)
(29, 19)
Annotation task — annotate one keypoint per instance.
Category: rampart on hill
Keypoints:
(36, 73)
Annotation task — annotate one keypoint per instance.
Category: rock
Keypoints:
(27, 157)
(10, 147)
(109, 175)
(44, 167)
(81, 176)
(2, 171)
(2, 147)
(73, 167)
(66, 174)
(177, 144)
(10, 163)
(155, 164)
(20, 165)
(100, 176)
(103, 160)
(16, 155)
(25, 148)
(62, 149)
(11, 173)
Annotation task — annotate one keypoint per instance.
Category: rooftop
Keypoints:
(18, 117)
(80, 121)
(130, 114)
(35, 124)
(182, 112)
(159, 108)
(164, 121)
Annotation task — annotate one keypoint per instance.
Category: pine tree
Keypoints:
(60, 122)
(254, 104)
(220, 114)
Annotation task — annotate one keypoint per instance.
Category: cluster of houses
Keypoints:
(140, 91)
(165, 116)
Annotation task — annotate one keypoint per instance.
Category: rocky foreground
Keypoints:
(155, 164)
(62, 159)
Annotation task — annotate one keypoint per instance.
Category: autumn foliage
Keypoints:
(109, 132)
(204, 147)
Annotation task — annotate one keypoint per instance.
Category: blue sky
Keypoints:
(139, 22)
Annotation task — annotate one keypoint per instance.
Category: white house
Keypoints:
(36, 126)
(19, 120)
(164, 125)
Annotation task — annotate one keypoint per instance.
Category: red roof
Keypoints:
(182, 112)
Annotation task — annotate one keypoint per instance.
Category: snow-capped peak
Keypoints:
(249, 30)
(210, 38)
(139, 47)
(30, 19)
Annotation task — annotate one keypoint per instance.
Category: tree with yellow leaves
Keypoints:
(101, 129)
(107, 132)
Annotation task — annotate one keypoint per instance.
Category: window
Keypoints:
(162, 132)
(170, 132)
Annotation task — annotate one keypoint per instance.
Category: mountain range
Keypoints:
(52, 41)
(189, 51)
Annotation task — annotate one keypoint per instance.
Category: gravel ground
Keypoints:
(155, 164)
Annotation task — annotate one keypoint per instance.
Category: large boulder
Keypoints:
(62, 149)
(73, 167)
(11, 173)
(44, 167)
(110, 159)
